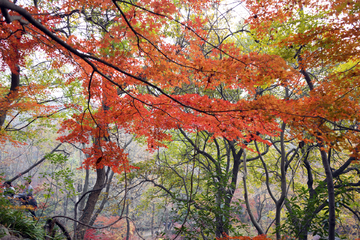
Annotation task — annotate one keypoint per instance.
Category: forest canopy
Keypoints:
(217, 119)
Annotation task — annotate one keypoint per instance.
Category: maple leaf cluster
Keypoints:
(133, 74)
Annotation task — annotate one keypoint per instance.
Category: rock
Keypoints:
(3, 230)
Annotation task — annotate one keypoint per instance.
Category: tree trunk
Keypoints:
(328, 173)
(90, 204)
(306, 222)
(105, 197)
(101, 177)
(253, 220)
(279, 203)
(127, 222)
(331, 193)
(15, 82)
(219, 226)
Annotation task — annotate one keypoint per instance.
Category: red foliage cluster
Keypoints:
(134, 52)
(114, 232)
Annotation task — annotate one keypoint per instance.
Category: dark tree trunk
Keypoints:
(219, 226)
(15, 82)
(331, 193)
(248, 207)
(328, 172)
(105, 197)
(91, 203)
(279, 203)
(127, 222)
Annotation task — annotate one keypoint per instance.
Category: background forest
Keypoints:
(194, 119)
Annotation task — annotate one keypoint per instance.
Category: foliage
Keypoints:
(155, 67)
(205, 210)
(318, 221)
(18, 222)
(116, 231)
(64, 177)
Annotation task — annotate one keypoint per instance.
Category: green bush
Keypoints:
(15, 219)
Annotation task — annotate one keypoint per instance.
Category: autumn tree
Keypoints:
(312, 43)
(115, 49)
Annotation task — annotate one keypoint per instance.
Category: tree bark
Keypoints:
(252, 218)
(105, 198)
(15, 82)
(127, 222)
(279, 202)
(91, 203)
(331, 192)
(328, 172)
(101, 178)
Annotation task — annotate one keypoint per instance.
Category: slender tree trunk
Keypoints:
(15, 82)
(127, 222)
(105, 198)
(91, 203)
(306, 222)
(252, 218)
(219, 225)
(279, 203)
(219, 215)
(328, 173)
(331, 193)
